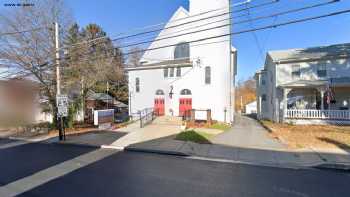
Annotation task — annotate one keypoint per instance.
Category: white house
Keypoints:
(305, 86)
(20, 101)
(251, 108)
(192, 72)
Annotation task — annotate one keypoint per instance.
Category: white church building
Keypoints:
(194, 69)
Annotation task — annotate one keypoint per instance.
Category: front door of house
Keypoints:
(159, 106)
(185, 104)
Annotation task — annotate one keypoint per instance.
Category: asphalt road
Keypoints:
(68, 170)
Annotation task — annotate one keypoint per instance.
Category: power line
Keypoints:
(173, 26)
(163, 23)
(235, 23)
(249, 30)
(199, 14)
(240, 22)
(256, 39)
(286, 12)
(19, 32)
(201, 19)
(243, 31)
(165, 38)
(110, 56)
(42, 67)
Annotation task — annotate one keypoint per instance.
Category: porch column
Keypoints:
(322, 101)
(285, 102)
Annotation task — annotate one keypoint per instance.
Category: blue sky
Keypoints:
(120, 15)
(117, 16)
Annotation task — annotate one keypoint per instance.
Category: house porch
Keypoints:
(316, 104)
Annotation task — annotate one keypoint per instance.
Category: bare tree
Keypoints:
(30, 51)
(134, 56)
(245, 90)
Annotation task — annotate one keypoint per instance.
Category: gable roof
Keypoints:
(91, 95)
(180, 14)
(337, 51)
(176, 15)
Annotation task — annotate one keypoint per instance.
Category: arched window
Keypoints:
(182, 50)
(207, 75)
(185, 92)
(159, 92)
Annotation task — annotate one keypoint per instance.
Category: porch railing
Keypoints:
(318, 114)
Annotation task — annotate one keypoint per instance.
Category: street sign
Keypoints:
(62, 105)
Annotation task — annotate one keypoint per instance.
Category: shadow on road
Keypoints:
(94, 138)
(24, 159)
(137, 174)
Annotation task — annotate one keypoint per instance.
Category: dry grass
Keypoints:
(315, 136)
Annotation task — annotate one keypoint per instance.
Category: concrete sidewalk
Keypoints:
(160, 128)
(255, 156)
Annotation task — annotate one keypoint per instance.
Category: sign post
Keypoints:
(62, 112)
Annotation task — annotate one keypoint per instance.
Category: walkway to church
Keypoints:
(247, 132)
(161, 128)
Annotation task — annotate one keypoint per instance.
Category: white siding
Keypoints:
(214, 53)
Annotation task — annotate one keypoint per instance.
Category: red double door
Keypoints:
(185, 104)
(159, 106)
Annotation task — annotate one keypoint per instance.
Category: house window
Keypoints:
(178, 71)
(172, 72)
(207, 75)
(295, 71)
(263, 97)
(322, 70)
(166, 72)
(182, 51)
(137, 84)
(263, 82)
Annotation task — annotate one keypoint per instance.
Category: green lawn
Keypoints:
(220, 126)
(194, 136)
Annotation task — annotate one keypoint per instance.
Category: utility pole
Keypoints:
(58, 80)
(107, 90)
(57, 44)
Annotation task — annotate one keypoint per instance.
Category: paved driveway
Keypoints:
(248, 133)
(161, 127)
(93, 138)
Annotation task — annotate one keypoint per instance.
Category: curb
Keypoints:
(156, 151)
(247, 163)
(28, 139)
(334, 166)
(76, 144)
(112, 147)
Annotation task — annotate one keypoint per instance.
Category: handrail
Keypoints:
(146, 116)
